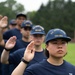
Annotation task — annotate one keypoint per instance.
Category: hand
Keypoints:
(4, 22)
(10, 43)
(29, 52)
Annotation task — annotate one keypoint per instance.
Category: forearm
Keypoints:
(28, 56)
(4, 57)
(19, 70)
(2, 43)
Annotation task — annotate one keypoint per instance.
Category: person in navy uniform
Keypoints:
(16, 31)
(56, 48)
(26, 27)
(37, 35)
(12, 24)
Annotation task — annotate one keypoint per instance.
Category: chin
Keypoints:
(60, 56)
(37, 44)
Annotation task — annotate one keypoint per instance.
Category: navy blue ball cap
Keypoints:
(56, 34)
(21, 14)
(12, 22)
(37, 30)
(26, 23)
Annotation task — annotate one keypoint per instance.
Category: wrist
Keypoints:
(24, 61)
(7, 49)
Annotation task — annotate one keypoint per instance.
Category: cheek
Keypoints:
(28, 32)
(65, 49)
(19, 21)
(33, 38)
(22, 31)
(51, 49)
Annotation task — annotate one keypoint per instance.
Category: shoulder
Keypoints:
(33, 70)
(69, 65)
(20, 50)
(36, 69)
(8, 31)
(17, 53)
(37, 65)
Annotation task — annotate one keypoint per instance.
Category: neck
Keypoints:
(18, 27)
(26, 39)
(55, 61)
(38, 48)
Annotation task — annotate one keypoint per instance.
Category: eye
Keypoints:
(63, 42)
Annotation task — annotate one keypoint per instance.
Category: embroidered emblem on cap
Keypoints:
(58, 35)
(39, 27)
(27, 24)
(38, 30)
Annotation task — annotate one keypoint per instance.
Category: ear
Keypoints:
(46, 46)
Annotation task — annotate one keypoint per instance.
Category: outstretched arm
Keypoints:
(28, 56)
(8, 46)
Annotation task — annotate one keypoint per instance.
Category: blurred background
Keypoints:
(48, 13)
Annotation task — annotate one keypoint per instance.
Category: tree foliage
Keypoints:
(10, 8)
(57, 14)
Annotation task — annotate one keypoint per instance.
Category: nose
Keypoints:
(59, 46)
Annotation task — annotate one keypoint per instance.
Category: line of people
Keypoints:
(20, 35)
(32, 59)
(56, 48)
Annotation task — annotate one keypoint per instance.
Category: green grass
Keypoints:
(70, 57)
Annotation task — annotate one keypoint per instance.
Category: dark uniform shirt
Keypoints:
(12, 32)
(15, 57)
(45, 68)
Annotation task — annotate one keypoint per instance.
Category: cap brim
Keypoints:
(65, 38)
(26, 26)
